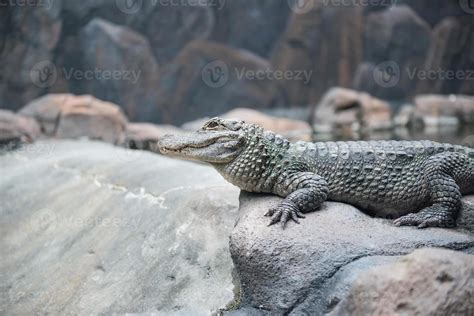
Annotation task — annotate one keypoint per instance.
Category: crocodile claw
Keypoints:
(283, 213)
(428, 217)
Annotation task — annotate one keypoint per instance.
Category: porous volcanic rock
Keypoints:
(425, 282)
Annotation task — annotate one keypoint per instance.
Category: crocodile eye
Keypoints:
(211, 125)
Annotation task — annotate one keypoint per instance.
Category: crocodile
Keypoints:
(414, 183)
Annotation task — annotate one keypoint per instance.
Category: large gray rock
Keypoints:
(116, 65)
(88, 228)
(426, 282)
(308, 268)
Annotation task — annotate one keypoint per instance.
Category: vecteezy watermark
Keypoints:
(359, 3)
(48, 4)
(215, 74)
(301, 6)
(104, 222)
(440, 74)
(44, 219)
(47, 220)
(102, 74)
(387, 74)
(271, 74)
(36, 149)
(44, 74)
(133, 6)
(304, 6)
(129, 6)
(467, 6)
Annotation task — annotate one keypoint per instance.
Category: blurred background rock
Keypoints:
(176, 61)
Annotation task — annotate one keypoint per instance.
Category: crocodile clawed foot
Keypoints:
(283, 213)
(428, 217)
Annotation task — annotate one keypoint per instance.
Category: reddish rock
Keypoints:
(70, 116)
(16, 128)
(426, 282)
(397, 41)
(208, 77)
(326, 40)
(435, 110)
(144, 136)
(343, 108)
(117, 65)
(288, 128)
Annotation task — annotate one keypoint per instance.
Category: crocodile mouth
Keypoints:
(206, 146)
(178, 144)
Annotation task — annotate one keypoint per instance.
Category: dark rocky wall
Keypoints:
(338, 45)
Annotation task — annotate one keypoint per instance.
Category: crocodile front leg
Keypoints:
(303, 191)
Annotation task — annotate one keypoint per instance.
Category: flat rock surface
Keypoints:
(292, 271)
(88, 228)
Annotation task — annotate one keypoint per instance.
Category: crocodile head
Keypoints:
(219, 141)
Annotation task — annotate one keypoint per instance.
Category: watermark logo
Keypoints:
(48, 4)
(44, 74)
(271, 74)
(42, 220)
(132, 76)
(387, 74)
(215, 74)
(129, 6)
(301, 6)
(440, 74)
(133, 6)
(467, 6)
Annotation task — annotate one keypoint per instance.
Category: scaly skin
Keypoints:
(420, 183)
